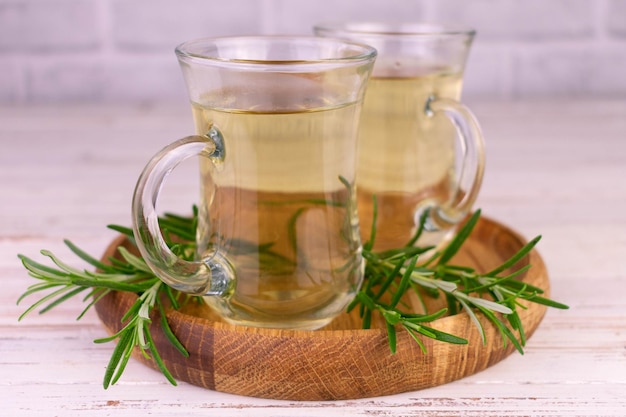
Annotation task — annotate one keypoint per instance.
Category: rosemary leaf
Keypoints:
(88, 258)
(515, 258)
(168, 332)
(391, 337)
(453, 247)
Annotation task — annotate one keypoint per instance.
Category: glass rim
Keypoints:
(191, 50)
(392, 28)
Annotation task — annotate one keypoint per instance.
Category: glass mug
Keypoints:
(421, 151)
(276, 122)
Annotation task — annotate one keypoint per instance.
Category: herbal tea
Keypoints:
(405, 157)
(277, 234)
(285, 202)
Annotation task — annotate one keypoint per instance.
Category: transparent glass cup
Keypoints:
(421, 151)
(276, 119)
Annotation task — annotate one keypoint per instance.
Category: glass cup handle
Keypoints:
(211, 276)
(471, 167)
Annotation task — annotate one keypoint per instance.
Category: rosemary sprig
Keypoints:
(389, 276)
(392, 274)
(131, 274)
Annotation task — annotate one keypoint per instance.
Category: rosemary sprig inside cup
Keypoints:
(389, 276)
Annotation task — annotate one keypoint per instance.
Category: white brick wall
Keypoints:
(122, 50)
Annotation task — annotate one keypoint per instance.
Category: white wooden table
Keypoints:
(554, 168)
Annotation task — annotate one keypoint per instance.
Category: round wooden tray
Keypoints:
(340, 361)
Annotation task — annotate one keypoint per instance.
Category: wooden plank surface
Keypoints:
(554, 168)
